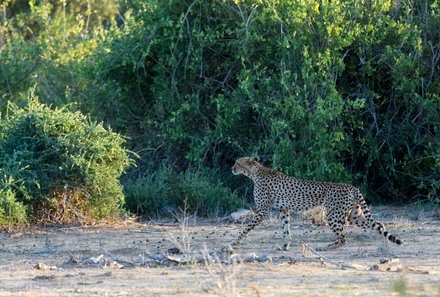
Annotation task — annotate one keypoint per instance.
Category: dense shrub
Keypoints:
(166, 192)
(58, 165)
(43, 45)
(344, 91)
(329, 90)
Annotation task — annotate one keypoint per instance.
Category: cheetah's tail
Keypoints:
(371, 223)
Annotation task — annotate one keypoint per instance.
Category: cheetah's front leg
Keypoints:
(285, 220)
(256, 220)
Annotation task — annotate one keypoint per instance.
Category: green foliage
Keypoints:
(48, 157)
(166, 191)
(12, 212)
(344, 91)
(42, 44)
(328, 90)
(94, 11)
(400, 286)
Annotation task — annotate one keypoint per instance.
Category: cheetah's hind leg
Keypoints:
(334, 245)
(336, 221)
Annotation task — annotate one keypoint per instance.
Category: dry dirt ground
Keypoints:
(130, 259)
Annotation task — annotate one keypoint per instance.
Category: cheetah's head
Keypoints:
(245, 166)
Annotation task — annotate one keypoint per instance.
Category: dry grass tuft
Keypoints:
(181, 238)
(223, 276)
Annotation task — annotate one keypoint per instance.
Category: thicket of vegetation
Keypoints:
(328, 90)
(58, 166)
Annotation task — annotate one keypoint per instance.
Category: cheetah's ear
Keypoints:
(252, 160)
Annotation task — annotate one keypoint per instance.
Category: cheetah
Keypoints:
(273, 189)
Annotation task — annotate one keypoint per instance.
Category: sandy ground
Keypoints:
(71, 265)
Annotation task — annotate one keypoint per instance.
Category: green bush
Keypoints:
(165, 192)
(58, 165)
(44, 43)
(12, 212)
(338, 91)
(329, 90)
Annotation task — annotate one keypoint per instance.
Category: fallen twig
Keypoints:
(309, 252)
